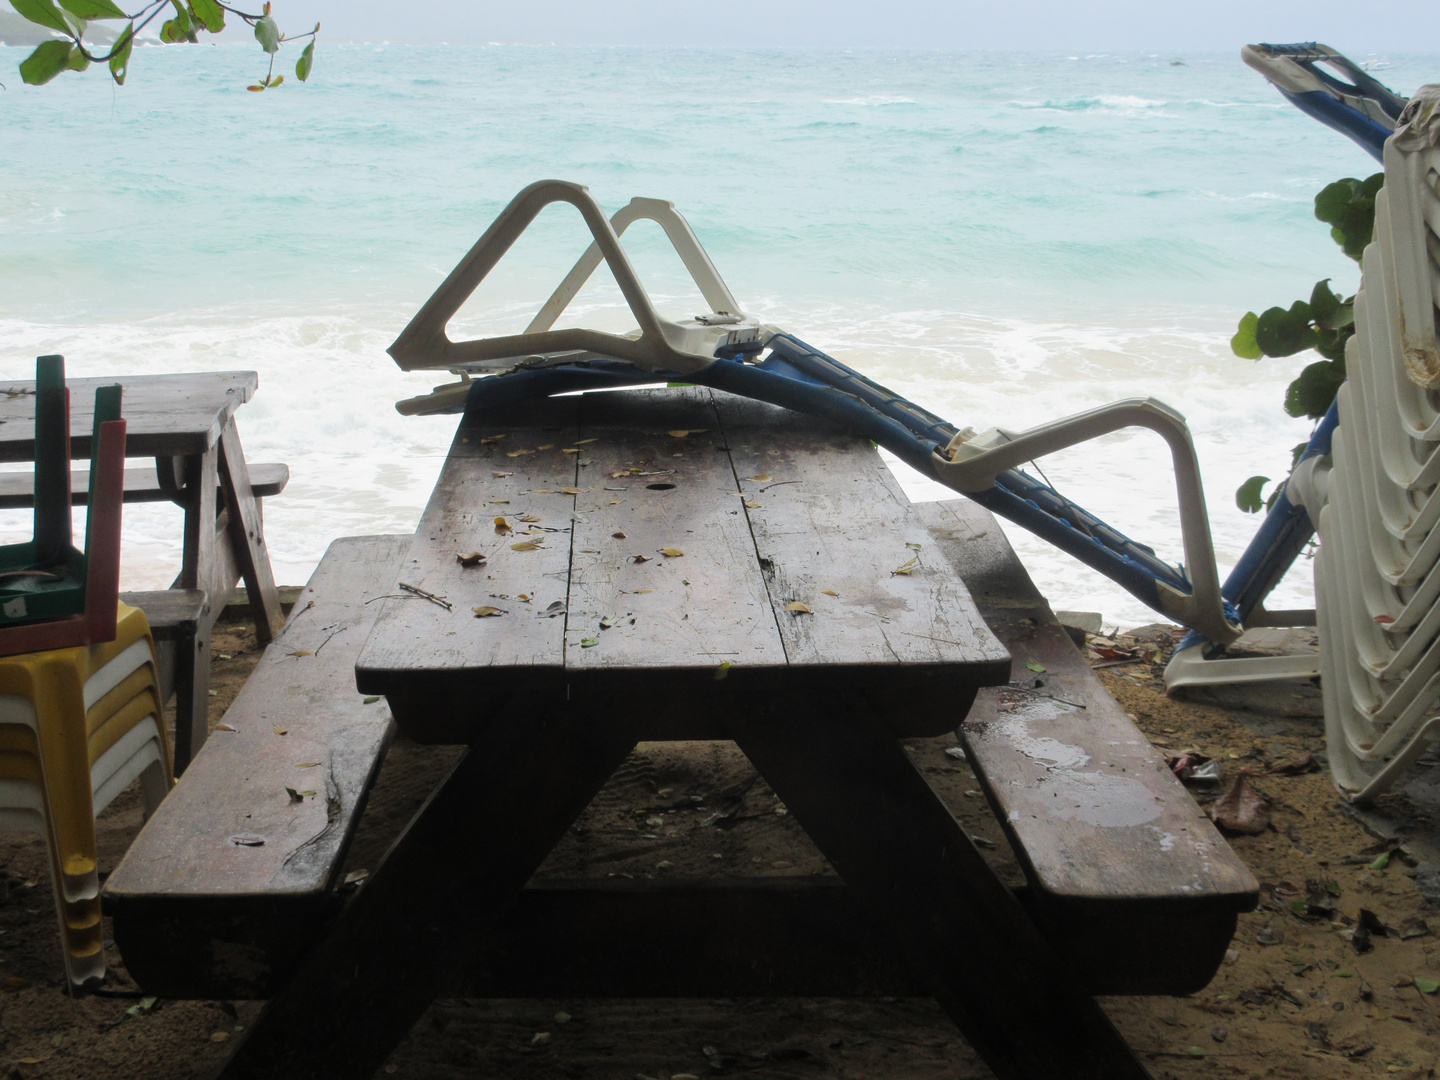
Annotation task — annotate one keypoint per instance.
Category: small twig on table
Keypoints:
(777, 483)
(428, 596)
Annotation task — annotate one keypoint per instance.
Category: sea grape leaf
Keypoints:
(46, 14)
(302, 72)
(210, 13)
(1323, 303)
(1331, 343)
(1248, 494)
(1283, 333)
(268, 34)
(1311, 394)
(94, 9)
(120, 55)
(78, 60)
(48, 60)
(1243, 343)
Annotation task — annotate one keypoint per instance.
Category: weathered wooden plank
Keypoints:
(164, 414)
(1102, 828)
(835, 533)
(232, 866)
(172, 613)
(247, 536)
(447, 670)
(671, 614)
(17, 489)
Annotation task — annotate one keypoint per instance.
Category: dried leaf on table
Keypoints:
(525, 545)
(500, 475)
(1241, 809)
(722, 671)
(574, 490)
(829, 592)
(1035, 666)
(307, 764)
(281, 731)
(518, 453)
(759, 478)
(1294, 767)
(752, 504)
(907, 568)
(223, 727)
(589, 642)
(302, 652)
(914, 547)
(530, 519)
(608, 621)
(556, 608)
(474, 558)
(670, 553)
(639, 558)
(501, 526)
(371, 699)
(485, 611)
(490, 440)
(795, 607)
(618, 535)
(247, 840)
(637, 592)
(295, 796)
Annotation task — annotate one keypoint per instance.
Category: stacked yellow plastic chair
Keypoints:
(1377, 576)
(80, 715)
(76, 727)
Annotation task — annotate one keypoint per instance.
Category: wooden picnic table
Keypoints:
(186, 422)
(661, 565)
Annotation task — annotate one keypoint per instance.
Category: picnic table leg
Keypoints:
(247, 537)
(460, 863)
(853, 788)
(192, 660)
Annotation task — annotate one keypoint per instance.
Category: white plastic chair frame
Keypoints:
(971, 463)
(662, 345)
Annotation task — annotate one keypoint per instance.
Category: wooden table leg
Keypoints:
(247, 536)
(192, 661)
(426, 909)
(855, 791)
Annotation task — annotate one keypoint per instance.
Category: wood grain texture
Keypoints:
(171, 613)
(298, 724)
(17, 490)
(675, 620)
(1103, 829)
(247, 536)
(165, 414)
(699, 609)
(831, 519)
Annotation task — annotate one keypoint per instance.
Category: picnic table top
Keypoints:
(661, 540)
(165, 414)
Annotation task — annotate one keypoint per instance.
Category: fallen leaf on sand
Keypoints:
(1242, 809)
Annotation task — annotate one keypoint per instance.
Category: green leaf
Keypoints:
(306, 62)
(1296, 451)
(1381, 861)
(371, 700)
(45, 13)
(47, 61)
(1035, 666)
(1333, 199)
(1349, 205)
(1426, 986)
(1331, 343)
(78, 60)
(589, 642)
(1284, 333)
(210, 14)
(120, 55)
(93, 9)
(1311, 394)
(268, 34)
(1247, 495)
(1243, 343)
(1323, 303)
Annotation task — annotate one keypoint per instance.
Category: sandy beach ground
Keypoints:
(1294, 998)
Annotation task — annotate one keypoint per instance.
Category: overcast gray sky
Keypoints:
(1172, 26)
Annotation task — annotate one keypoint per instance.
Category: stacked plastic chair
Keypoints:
(1377, 575)
(80, 714)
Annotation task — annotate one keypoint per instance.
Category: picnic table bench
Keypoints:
(233, 878)
(186, 423)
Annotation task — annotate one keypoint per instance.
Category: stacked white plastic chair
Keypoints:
(1377, 575)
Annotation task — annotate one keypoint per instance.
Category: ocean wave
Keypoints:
(1111, 102)
(872, 101)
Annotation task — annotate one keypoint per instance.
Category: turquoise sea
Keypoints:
(1005, 238)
